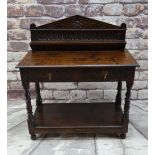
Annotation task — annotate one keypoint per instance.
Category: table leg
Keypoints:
(127, 106)
(118, 96)
(30, 117)
(38, 96)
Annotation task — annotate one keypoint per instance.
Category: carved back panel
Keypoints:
(77, 33)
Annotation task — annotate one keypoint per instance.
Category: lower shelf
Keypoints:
(78, 118)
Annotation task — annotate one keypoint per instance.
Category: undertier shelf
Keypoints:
(80, 117)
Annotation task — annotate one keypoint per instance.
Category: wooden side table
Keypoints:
(109, 62)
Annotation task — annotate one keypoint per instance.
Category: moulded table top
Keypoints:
(77, 59)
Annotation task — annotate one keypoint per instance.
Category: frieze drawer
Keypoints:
(78, 74)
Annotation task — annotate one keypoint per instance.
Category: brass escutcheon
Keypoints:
(49, 76)
(105, 74)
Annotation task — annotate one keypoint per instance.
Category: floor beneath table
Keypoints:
(19, 142)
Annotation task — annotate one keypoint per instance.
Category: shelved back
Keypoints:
(77, 33)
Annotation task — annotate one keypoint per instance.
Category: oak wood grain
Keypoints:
(77, 59)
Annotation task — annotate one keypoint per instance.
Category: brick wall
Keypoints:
(23, 12)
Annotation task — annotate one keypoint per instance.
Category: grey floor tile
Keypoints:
(66, 145)
(19, 142)
(16, 118)
(139, 117)
(135, 143)
(16, 113)
(108, 145)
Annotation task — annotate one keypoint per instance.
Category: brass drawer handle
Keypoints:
(105, 74)
(49, 76)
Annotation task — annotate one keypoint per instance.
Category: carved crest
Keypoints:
(77, 22)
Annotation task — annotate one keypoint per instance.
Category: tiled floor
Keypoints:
(19, 142)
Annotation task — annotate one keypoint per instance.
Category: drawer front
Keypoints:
(77, 74)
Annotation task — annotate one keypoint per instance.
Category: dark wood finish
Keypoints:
(122, 135)
(77, 117)
(76, 45)
(77, 74)
(79, 33)
(38, 96)
(30, 117)
(72, 50)
(53, 59)
(127, 105)
(77, 22)
(118, 96)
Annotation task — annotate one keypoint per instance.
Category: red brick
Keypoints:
(145, 9)
(15, 56)
(11, 1)
(113, 9)
(11, 66)
(54, 11)
(97, 1)
(61, 94)
(74, 10)
(137, 44)
(17, 85)
(26, 1)
(15, 11)
(34, 10)
(56, 1)
(25, 23)
(19, 1)
(133, 33)
(12, 76)
(133, 9)
(141, 21)
(94, 94)
(93, 10)
(132, 1)
(18, 35)
(77, 94)
(12, 23)
(18, 46)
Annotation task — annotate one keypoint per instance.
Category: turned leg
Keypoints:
(127, 99)
(30, 117)
(38, 96)
(127, 106)
(118, 96)
(122, 135)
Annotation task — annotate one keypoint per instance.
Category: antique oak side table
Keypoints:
(72, 50)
